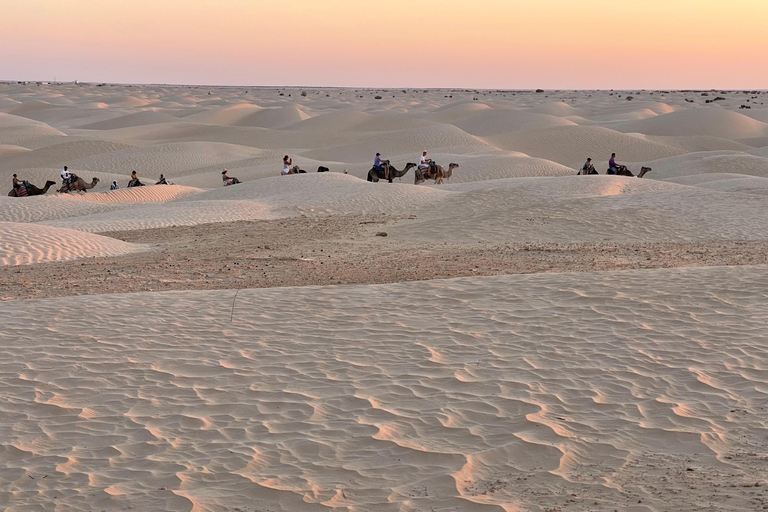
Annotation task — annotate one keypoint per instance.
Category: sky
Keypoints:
(490, 44)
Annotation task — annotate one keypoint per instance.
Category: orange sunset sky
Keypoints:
(397, 43)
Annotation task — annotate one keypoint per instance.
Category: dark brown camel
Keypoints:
(375, 175)
(623, 170)
(33, 190)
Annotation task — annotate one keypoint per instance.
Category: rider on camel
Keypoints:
(381, 165)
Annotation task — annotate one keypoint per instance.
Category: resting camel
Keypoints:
(79, 185)
(33, 190)
(623, 170)
(438, 175)
(375, 175)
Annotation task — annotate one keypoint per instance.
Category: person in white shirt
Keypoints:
(424, 162)
(113, 186)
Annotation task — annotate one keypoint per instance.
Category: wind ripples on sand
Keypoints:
(503, 393)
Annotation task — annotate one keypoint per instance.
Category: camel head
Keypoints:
(451, 167)
(409, 165)
(50, 183)
(95, 181)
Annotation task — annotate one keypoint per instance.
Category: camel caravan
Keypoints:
(426, 169)
(614, 169)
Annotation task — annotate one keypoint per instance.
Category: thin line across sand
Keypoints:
(337, 250)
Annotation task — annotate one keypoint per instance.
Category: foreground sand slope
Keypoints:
(22, 244)
(637, 390)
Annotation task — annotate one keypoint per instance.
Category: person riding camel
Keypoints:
(114, 186)
(588, 168)
(161, 181)
(16, 183)
(287, 163)
(135, 181)
(613, 167)
(381, 165)
(425, 163)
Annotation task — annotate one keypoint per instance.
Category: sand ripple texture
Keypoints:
(22, 244)
(633, 391)
(160, 215)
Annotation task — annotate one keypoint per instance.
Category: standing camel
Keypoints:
(33, 190)
(79, 185)
(375, 175)
(438, 175)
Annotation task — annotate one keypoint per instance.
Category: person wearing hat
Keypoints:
(381, 165)
(228, 180)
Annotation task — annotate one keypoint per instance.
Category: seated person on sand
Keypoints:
(424, 162)
(588, 168)
(287, 162)
(228, 180)
(113, 186)
(161, 181)
(135, 181)
(381, 165)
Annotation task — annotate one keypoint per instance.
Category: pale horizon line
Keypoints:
(388, 88)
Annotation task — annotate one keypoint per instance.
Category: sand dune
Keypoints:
(407, 144)
(159, 215)
(23, 244)
(585, 209)
(62, 154)
(135, 119)
(571, 145)
(171, 159)
(146, 194)
(556, 108)
(516, 392)
(494, 122)
(599, 390)
(318, 194)
(719, 162)
(711, 122)
(725, 182)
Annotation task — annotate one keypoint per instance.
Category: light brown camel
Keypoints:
(79, 185)
(33, 190)
(438, 175)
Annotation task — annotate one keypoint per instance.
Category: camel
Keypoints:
(623, 170)
(33, 190)
(375, 175)
(438, 175)
(79, 185)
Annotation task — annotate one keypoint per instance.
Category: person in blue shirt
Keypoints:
(588, 168)
(381, 165)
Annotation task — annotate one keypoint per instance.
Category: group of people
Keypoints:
(380, 164)
(135, 182)
(613, 168)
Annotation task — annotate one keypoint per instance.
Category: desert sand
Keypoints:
(517, 339)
